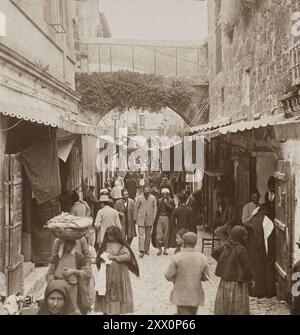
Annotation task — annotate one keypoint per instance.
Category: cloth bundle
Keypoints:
(100, 285)
(69, 226)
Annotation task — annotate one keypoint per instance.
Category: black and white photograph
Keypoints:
(149, 160)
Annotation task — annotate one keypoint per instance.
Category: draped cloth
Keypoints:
(100, 286)
(40, 161)
(261, 251)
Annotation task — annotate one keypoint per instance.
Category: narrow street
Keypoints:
(152, 292)
(150, 118)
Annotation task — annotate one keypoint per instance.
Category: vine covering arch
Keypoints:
(123, 90)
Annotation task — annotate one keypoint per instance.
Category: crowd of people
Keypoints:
(96, 268)
(92, 274)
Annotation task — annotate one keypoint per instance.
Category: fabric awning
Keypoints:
(89, 158)
(283, 127)
(210, 126)
(75, 123)
(253, 124)
(64, 147)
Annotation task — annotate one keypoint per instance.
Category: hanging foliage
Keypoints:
(102, 92)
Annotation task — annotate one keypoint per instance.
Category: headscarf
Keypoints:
(236, 237)
(117, 234)
(62, 287)
(165, 190)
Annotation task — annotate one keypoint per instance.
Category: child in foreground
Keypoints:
(187, 269)
(113, 285)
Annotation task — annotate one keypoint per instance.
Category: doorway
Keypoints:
(265, 168)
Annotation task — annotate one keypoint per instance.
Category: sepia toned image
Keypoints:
(149, 159)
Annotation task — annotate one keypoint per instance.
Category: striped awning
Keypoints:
(280, 122)
(210, 126)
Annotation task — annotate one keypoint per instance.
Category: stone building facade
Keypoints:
(37, 96)
(254, 102)
(249, 55)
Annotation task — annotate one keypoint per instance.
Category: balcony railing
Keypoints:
(139, 57)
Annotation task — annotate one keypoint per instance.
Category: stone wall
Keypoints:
(256, 59)
(29, 33)
(88, 18)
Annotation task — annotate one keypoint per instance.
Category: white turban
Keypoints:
(165, 190)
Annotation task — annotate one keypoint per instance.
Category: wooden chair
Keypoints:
(212, 242)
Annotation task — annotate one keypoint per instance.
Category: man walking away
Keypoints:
(195, 202)
(106, 217)
(186, 270)
(183, 214)
(144, 215)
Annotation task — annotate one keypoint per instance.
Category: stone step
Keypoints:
(35, 281)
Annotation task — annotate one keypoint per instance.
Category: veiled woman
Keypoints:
(113, 289)
(235, 271)
(261, 250)
(71, 262)
(57, 300)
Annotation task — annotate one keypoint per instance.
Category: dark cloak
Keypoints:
(263, 264)
(133, 265)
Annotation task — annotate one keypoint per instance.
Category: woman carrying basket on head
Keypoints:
(71, 262)
(71, 259)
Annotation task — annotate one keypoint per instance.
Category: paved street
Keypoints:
(152, 291)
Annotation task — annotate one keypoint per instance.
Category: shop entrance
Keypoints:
(265, 167)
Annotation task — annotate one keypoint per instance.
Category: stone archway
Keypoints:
(122, 90)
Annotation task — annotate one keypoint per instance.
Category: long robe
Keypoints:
(262, 262)
(172, 229)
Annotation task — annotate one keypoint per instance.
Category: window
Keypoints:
(219, 49)
(222, 100)
(54, 11)
(219, 37)
(295, 64)
(142, 121)
(246, 87)
(222, 95)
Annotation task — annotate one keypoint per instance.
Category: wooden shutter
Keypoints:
(13, 224)
(284, 210)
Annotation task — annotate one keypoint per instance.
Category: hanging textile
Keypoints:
(89, 158)
(41, 164)
(64, 146)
